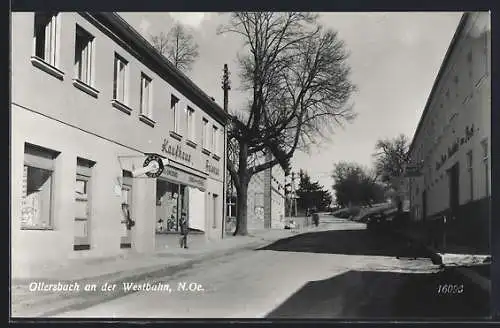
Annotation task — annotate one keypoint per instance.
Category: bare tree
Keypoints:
(178, 46)
(298, 78)
(391, 158)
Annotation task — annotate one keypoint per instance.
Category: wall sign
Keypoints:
(184, 178)
(153, 158)
(211, 168)
(175, 151)
(455, 146)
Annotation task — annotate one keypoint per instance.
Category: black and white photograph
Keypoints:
(251, 165)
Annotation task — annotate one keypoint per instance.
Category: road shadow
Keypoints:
(385, 295)
(349, 242)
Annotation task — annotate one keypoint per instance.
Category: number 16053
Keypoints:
(450, 289)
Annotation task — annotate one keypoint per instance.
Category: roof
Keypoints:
(451, 47)
(136, 41)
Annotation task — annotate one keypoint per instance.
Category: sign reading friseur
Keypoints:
(176, 175)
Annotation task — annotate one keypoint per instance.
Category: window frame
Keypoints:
(470, 171)
(84, 63)
(204, 135)
(215, 144)
(53, 25)
(174, 107)
(117, 91)
(190, 127)
(146, 87)
(41, 162)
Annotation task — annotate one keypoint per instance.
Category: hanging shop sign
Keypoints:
(211, 168)
(176, 151)
(455, 146)
(158, 165)
(181, 177)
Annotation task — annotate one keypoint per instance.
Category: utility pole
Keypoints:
(293, 204)
(226, 87)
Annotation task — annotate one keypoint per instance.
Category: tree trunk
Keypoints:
(241, 220)
(242, 191)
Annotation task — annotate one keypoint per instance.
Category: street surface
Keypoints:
(340, 271)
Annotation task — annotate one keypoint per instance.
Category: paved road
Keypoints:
(342, 271)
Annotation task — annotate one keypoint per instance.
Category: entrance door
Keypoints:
(126, 237)
(454, 188)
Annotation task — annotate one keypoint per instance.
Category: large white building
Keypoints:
(90, 99)
(452, 143)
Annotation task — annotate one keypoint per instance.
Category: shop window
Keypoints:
(83, 204)
(471, 175)
(84, 48)
(37, 202)
(174, 106)
(171, 201)
(46, 36)
(119, 81)
(145, 101)
(486, 169)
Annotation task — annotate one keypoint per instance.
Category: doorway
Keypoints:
(126, 236)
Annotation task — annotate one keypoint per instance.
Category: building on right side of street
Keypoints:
(452, 143)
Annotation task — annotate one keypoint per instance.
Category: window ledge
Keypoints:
(175, 135)
(121, 106)
(147, 120)
(191, 143)
(46, 67)
(48, 228)
(205, 151)
(85, 88)
(216, 157)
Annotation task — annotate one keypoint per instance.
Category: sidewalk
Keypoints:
(446, 256)
(131, 268)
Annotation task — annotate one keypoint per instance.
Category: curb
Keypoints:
(53, 304)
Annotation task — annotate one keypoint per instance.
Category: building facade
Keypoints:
(452, 142)
(91, 99)
(266, 199)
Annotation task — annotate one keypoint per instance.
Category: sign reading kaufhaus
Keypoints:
(176, 151)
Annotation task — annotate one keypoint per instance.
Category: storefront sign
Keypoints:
(175, 151)
(178, 176)
(455, 146)
(211, 168)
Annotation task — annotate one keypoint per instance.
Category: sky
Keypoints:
(394, 58)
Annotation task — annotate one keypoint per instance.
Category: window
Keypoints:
(84, 55)
(46, 36)
(119, 81)
(190, 123)
(204, 133)
(174, 104)
(37, 190)
(214, 139)
(486, 168)
(471, 175)
(82, 204)
(145, 96)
